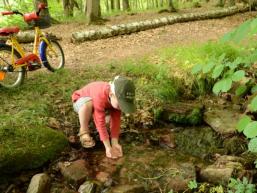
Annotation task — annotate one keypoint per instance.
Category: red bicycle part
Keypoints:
(42, 6)
(7, 13)
(30, 16)
(9, 30)
(28, 58)
(2, 75)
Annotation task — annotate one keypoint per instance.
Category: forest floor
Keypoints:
(139, 44)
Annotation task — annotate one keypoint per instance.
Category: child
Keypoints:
(94, 99)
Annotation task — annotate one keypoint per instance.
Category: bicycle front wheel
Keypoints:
(52, 55)
(10, 77)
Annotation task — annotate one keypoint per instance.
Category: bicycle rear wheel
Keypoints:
(52, 55)
(10, 77)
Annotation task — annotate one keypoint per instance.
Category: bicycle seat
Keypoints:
(6, 31)
(28, 17)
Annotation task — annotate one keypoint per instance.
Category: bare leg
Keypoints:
(85, 113)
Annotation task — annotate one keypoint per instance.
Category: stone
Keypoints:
(40, 183)
(127, 189)
(223, 121)
(224, 168)
(103, 176)
(74, 172)
(87, 187)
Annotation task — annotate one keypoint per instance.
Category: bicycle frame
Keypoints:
(39, 36)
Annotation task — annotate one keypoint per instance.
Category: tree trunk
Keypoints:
(171, 6)
(93, 10)
(68, 7)
(112, 4)
(117, 3)
(107, 5)
(85, 6)
(45, 18)
(125, 4)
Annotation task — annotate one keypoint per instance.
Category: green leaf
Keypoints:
(252, 145)
(253, 104)
(221, 58)
(208, 67)
(217, 71)
(251, 130)
(233, 65)
(243, 122)
(222, 86)
(197, 68)
(254, 89)
(238, 75)
(241, 90)
(192, 184)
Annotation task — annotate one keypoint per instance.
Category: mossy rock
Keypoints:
(24, 148)
(183, 114)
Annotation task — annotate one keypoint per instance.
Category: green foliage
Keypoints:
(217, 189)
(250, 130)
(244, 33)
(193, 118)
(239, 186)
(244, 121)
(252, 146)
(192, 184)
(254, 89)
(253, 104)
(231, 70)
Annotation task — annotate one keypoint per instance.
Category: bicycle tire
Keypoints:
(49, 59)
(13, 78)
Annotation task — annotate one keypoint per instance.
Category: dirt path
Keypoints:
(139, 44)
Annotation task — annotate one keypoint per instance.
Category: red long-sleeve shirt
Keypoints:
(99, 92)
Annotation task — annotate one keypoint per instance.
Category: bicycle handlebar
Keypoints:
(40, 6)
(11, 12)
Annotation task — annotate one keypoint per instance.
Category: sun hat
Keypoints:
(124, 90)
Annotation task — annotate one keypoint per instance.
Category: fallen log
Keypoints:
(129, 28)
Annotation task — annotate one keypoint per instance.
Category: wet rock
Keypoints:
(88, 187)
(74, 172)
(222, 170)
(40, 183)
(223, 121)
(127, 189)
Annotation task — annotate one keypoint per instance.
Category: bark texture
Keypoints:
(129, 28)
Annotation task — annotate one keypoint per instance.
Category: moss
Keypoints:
(28, 148)
(204, 141)
(195, 117)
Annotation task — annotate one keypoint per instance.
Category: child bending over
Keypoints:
(93, 100)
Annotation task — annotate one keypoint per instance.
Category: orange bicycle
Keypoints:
(15, 62)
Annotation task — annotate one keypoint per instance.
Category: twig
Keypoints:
(9, 189)
(157, 177)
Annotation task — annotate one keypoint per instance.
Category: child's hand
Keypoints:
(117, 149)
(110, 153)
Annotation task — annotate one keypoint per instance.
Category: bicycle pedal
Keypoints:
(34, 66)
